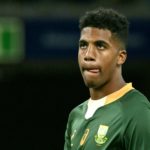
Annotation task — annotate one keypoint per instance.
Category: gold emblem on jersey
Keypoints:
(100, 137)
(84, 137)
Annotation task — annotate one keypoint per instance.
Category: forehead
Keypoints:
(92, 34)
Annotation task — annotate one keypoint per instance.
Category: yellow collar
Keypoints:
(116, 95)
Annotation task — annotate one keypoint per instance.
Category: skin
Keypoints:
(100, 59)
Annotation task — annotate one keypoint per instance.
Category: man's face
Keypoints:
(98, 56)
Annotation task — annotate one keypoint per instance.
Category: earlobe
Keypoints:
(122, 57)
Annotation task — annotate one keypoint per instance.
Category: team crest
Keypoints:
(100, 137)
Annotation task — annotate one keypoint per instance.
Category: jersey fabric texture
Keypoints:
(123, 123)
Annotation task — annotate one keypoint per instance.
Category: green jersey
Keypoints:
(122, 123)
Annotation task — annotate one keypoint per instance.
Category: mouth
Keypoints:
(91, 71)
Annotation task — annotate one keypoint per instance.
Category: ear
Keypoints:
(122, 55)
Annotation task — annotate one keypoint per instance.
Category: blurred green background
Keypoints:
(40, 80)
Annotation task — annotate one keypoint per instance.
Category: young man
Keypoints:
(116, 116)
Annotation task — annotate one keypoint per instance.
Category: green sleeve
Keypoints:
(67, 145)
(137, 131)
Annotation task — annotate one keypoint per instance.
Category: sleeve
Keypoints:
(137, 132)
(67, 145)
(67, 141)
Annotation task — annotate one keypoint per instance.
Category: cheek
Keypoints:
(79, 62)
(109, 64)
(79, 54)
(80, 57)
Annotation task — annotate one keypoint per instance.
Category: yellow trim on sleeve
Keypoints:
(116, 95)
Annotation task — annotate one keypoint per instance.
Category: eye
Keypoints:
(100, 45)
(83, 45)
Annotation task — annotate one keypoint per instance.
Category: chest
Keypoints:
(100, 132)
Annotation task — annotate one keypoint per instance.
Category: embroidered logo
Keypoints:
(84, 137)
(100, 137)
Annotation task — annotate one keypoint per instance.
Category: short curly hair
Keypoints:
(110, 19)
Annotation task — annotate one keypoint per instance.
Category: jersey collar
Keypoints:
(116, 95)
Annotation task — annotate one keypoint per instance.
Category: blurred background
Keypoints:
(40, 80)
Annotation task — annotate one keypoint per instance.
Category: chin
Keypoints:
(91, 84)
(94, 84)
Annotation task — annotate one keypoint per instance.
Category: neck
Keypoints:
(106, 89)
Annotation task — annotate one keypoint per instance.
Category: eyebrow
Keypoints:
(101, 42)
(80, 41)
(95, 42)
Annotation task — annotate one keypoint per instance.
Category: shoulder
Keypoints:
(79, 110)
(135, 101)
(136, 119)
(134, 105)
(136, 110)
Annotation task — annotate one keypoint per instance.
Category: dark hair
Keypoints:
(107, 19)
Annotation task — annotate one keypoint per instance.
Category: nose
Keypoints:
(90, 54)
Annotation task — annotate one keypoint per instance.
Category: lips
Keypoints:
(90, 68)
(93, 70)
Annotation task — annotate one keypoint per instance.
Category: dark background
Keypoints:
(39, 89)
